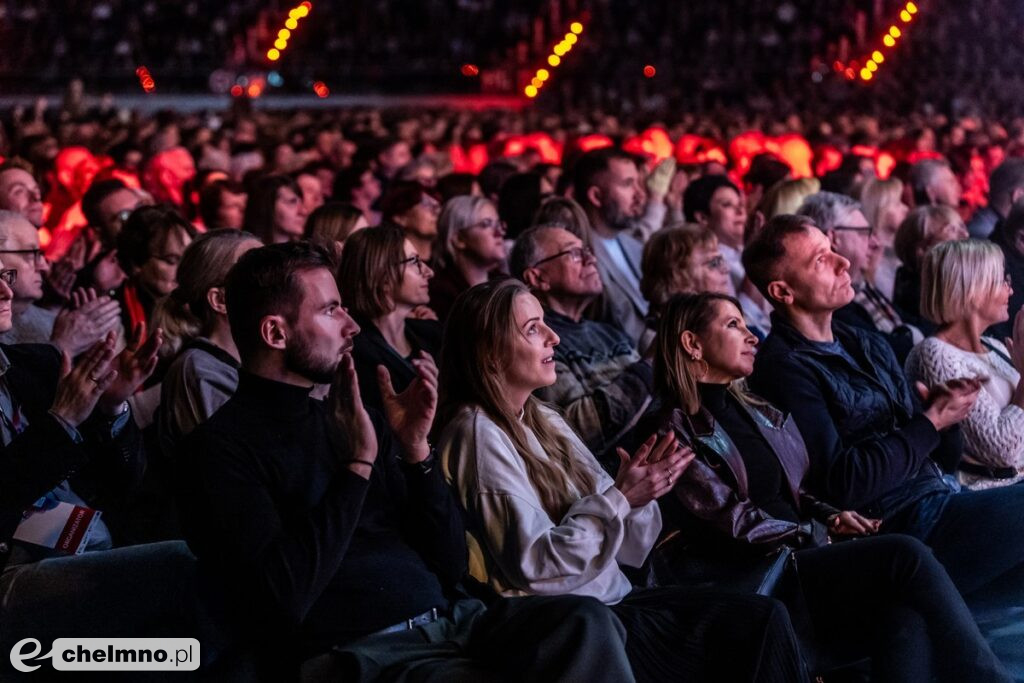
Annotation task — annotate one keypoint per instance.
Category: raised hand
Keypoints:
(89, 319)
(653, 469)
(411, 413)
(134, 365)
(352, 418)
(81, 387)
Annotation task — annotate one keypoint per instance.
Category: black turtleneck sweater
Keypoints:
(297, 543)
(765, 477)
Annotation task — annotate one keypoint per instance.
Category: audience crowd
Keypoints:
(378, 395)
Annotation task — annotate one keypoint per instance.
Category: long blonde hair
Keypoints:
(478, 340)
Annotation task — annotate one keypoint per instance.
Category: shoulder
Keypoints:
(37, 355)
(427, 332)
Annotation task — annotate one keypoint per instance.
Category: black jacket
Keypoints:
(101, 470)
(371, 349)
(871, 448)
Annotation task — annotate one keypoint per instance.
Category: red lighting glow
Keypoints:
(649, 71)
(470, 70)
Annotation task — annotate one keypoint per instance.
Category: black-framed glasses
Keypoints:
(9, 275)
(416, 261)
(869, 229)
(36, 254)
(576, 255)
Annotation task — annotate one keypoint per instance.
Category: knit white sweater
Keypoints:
(514, 545)
(994, 429)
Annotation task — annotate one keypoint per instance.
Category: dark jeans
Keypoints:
(978, 538)
(887, 597)
(562, 638)
(682, 634)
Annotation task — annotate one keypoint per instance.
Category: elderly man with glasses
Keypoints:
(603, 385)
(843, 222)
(74, 329)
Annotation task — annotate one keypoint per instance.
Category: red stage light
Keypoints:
(649, 71)
(236, 90)
(470, 70)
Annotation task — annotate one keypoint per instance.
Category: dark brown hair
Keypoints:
(370, 271)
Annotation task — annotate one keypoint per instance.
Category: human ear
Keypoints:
(594, 195)
(215, 299)
(535, 279)
(779, 291)
(691, 345)
(274, 332)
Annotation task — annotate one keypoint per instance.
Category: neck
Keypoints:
(270, 365)
(601, 228)
(221, 336)
(363, 204)
(730, 241)
(814, 325)
(517, 398)
(964, 334)
(571, 307)
(279, 236)
(19, 306)
(392, 327)
(424, 245)
(474, 272)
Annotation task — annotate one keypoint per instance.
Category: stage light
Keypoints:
(284, 34)
(236, 90)
(280, 44)
(577, 28)
(559, 50)
(530, 91)
(871, 66)
(470, 70)
(570, 38)
(895, 32)
(291, 23)
(912, 8)
(905, 16)
(554, 60)
(321, 89)
(543, 74)
(865, 74)
(888, 40)
(536, 82)
(878, 56)
(254, 90)
(273, 54)
(649, 71)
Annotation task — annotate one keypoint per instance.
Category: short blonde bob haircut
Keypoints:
(957, 276)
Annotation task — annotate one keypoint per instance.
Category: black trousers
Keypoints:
(889, 598)
(681, 634)
(559, 638)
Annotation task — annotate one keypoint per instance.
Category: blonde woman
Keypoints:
(922, 229)
(964, 291)
(545, 519)
(883, 206)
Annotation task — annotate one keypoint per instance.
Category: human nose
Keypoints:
(842, 264)
(351, 327)
(42, 263)
(553, 339)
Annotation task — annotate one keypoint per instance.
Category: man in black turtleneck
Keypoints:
(322, 525)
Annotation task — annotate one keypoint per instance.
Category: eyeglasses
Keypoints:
(869, 229)
(489, 224)
(576, 255)
(416, 261)
(36, 254)
(430, 204)
(9, 275)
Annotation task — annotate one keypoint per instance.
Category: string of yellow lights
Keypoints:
(560, 50)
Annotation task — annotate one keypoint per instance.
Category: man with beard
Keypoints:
(607, 186)
(330, 531)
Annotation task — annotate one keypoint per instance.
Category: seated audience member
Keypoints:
(765, 172)
(874, 449)
(883, 207)
(107, 205)
(312, 191)
(677, 260)
(922, 229)
(358, 186)
(714, 202)
(1009, 237)
(934, 184)
(606, 183)
(419, 170)
(566, 213)
(87, 320)
(853, 238)
(603, 386)
(384, 280)
(493, 176)
(149, 249)
(518, 201)
(965, 292)
(545, 519)
(885, 597)
(222, 205)
(67, 438)
(339, 536)
(204, 372)
(1005, 187)
(784, 197)
(19, 191)
(472, 249)
(274, 211)
(412, 208)
(332, 224)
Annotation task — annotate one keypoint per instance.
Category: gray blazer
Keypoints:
(624, 305)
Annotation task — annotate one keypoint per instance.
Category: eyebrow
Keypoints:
(531, 320)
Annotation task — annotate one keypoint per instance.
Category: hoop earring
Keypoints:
(700, 372)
